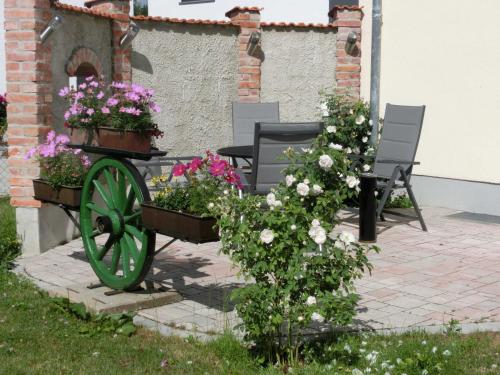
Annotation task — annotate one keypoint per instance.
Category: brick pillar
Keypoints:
(248, 19)
(29, 92)
(122, 66)
(348, 74)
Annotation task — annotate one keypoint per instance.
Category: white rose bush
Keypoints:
(300, 269)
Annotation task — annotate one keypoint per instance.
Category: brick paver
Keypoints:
(419, 279)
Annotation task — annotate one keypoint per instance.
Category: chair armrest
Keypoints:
(394, 161)
(360, 157)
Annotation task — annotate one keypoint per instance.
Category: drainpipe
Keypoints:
(375, 68)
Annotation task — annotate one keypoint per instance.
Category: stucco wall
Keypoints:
(298, 65)
(444, 54)
(77, 31)
(193, 70)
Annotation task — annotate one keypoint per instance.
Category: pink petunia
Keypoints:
(179, 169)
(218, 167)
(195, 164)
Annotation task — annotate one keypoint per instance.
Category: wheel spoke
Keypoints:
(96, 208)
(122, 190)
(112, 188)
(136, 214)
(103, 250)
(104, 195)
(125, 257)
(115, 258)
(130, 201)
(134, 232)
(132, 246)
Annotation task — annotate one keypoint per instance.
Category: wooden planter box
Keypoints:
(66, 195)
(179, 225)
(80, 136)
(128, 140)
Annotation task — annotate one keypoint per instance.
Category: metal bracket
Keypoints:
(165, 246)
(70, 215)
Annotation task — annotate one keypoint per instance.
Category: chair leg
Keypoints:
(387, 192)
(414, 201)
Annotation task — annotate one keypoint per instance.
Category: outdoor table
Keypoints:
(243, 152)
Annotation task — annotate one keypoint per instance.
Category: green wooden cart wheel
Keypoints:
(117, 246)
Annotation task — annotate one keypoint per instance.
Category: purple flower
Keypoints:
(83, 86)
(132, 96)
(94, 84)
(105, 110)
(119, 85)
(79, 95)
(154, 107)
(112, 102)
(51, 136)
(90, 111)
(30, 153)
(138, 89)
(89, 78)
(100, 95)
(67, 115)
(62, 139)
(64, 91)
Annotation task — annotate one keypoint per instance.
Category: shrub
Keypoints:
(302, 269)
(207, 179)
(10, 245)
(60, 165)
(3, 115)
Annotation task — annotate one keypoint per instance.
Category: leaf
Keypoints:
(128, 329)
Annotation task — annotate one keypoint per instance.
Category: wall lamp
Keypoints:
(254, 42)
(52, 26)
(129, 35)
(350, 45)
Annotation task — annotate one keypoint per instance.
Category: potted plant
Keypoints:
(62, 171)
(120, 115)
(184, 211)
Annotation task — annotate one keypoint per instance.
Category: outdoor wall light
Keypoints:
(129, 35)
(50, 28)
(254, 42)
(352, 39)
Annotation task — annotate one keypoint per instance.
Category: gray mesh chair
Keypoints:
(271, 139)
(396, 152)
(245, 115)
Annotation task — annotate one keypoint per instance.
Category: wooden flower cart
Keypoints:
(111, 205)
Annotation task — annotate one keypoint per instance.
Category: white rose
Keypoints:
(306, 181)
(324, 109)
(352, 181)
(272, 202)
(348, 150)
(210, 206)
(331, 129)
(325, 162)
(300, 318)
(317, 317)
(335, 146)
(364, 139)
(311, 300)
(370, 122)
(290, 179)
(293, 227)
(315, 223)
(366, 167)
(302, 189)
(360, 119)
(317, 233)
(267, 236)
(356, 150)
(317, 189)
(347, 237)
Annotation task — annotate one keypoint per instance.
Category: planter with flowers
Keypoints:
(183, 211)
(115, 117)
(62, 171)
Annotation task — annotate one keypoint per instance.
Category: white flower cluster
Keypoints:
(331, 129)
(267, 236)
(290, 180)
(352, 182)
(343, 240)
(335, 146)
(317, 232)
(272, 202)
(325, 162)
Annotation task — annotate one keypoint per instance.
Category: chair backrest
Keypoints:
(271, 139)
(245, 115)
(400, 136)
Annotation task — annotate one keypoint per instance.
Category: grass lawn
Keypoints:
(9, 244)
(36, 337)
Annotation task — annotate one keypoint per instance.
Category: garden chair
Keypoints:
(270, 141)
(245, 115)
(396, 151)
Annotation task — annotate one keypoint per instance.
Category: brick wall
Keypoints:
(29, 89)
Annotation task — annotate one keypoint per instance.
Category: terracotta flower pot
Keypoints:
(80, 136)
(128, 140)
(66, 195)
(179, 225)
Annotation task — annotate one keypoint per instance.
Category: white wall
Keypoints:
(444, 54)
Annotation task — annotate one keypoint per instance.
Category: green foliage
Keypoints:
(10, 245)
(303, 270)
(3, 115)
(63, 169)
(399, 201)
(140, 7)
(121, 323)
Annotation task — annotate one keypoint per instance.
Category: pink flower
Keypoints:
(51, 136)
(79, 95)
(62, 139)
(64, 91)
(30, 153)
(154, 107)
(119, 85)
(100, 95)
(94, 84)
(132, 96)
(218, 167)
(90, 111)
(105, 110)
(89, 78)
(195, 164)
(112, 102)
(67, 115)
(83, 86)
(179, 169)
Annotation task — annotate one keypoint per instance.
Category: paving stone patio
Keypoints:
(420, 280)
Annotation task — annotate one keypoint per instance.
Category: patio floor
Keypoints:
(419, 280)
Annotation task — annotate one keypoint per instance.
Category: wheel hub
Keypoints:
(112, 223)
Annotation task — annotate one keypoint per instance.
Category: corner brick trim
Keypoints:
(83, 55)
